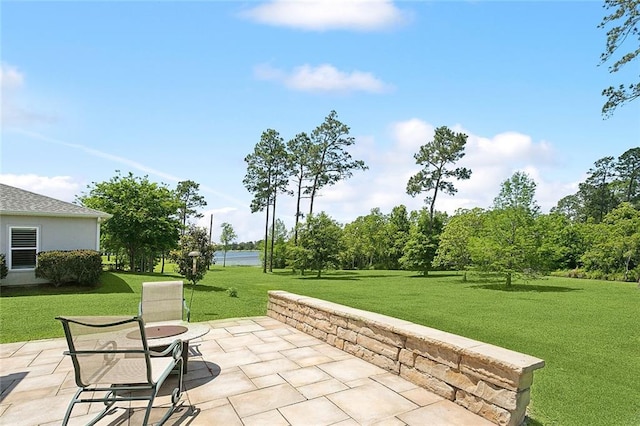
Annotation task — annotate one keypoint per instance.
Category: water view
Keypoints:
(240, 257)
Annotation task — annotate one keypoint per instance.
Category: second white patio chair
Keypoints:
(163, 301)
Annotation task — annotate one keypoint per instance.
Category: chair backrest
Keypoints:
(161, 301)
(107, 350)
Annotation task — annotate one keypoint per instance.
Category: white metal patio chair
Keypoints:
(113, 363)
(163, 301)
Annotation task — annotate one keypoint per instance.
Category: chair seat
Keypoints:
(132, 371)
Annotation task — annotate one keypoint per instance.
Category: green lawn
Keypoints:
(588, 332)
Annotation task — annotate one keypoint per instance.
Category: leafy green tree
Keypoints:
(555, 235)
(624, 16)
(330, 162)
(279, 253)
(398, 228)
(300, 151)
(561, 241)
(453, 250)
(376, 239)
(268, 170)
(366, 241)
(144, 220)
(318, 245)
(435, 156)
(194, 239)
(227, 236)
(615, 244)
(190, 201)
(518, 192)
(421, 246)
(508, 244)
(572, 207)
(628, 175)
(596, 190)
(353, 253)
(608, 183)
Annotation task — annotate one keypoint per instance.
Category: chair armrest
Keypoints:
(186, 309)
(175, 349)
(139, 309)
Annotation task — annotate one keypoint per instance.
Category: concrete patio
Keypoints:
(250, 371)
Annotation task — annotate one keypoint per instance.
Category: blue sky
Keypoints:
(183, 90)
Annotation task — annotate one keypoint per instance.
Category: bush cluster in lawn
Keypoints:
(3, 266)
(632, 275)
(74, 266)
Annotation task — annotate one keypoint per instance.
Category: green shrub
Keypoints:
(3, 266)
(232, 292)
(78, 266)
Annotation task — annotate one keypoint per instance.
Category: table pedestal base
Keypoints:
(185, 353)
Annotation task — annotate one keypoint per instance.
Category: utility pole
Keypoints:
(210, 235)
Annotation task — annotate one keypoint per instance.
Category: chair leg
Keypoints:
(150, 406)
(67, 415)
(110, 399)
(175, 396)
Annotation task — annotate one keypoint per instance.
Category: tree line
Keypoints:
(593, 233)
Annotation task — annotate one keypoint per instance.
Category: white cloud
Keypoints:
(410, 134)
(323, 78)
(13, 113)
(60, 187)
(506, 147)
(492, 160)
(10, 77)
(323, 15)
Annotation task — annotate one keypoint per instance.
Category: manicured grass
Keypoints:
(588, 332)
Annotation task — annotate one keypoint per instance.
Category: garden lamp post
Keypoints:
(194, 269)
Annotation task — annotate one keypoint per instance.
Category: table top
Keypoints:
(194, 330)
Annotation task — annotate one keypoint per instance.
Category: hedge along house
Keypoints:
(31, 223)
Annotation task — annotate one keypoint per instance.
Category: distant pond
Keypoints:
(239, 257)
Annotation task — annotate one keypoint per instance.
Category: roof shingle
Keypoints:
(16, 201)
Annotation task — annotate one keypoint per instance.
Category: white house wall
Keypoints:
(55, 233)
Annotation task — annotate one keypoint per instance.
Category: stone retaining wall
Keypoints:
(488, 380)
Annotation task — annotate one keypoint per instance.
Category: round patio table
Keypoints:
(161, 334)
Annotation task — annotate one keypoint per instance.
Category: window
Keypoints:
(24, 246)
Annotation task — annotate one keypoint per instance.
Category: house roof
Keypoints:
(16, 201)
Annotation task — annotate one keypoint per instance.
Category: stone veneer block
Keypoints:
(372, 357)
(489, 411)
(500, 366)
(443, 372)
(338, 320)
(383, 333)
(348, 335)
(436, 350)
(378, 347)
(407, 358)
(472, 384)
(501, 397)
(428, 382)
(324, 325)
